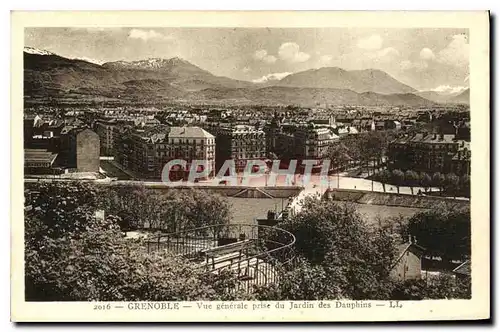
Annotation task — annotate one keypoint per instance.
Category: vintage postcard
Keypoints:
(244, 167)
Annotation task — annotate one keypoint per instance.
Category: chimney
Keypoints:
(435, 136)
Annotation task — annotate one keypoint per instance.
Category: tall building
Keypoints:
(192, 143)
(146, 151)
(301, 140)
(105, 129)
(239, 143)
(317, 141)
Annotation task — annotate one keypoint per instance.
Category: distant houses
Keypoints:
(57, 146)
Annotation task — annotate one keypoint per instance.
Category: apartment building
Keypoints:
(55, 145)
(105, 129)
(430, 152)
(192, 143)
(239, 143)
(145, 151)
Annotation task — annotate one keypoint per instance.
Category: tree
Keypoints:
(397, 178)
(442, 287)
(465, 184)
(411, 179)
(438, 180)
(444, 231)
(201, 208)
(303, 282)
(99, 264)
(171, 210)
(452, 183)
(425, 181)
(70, 255)
(353, 259)
(339, 156)
(384, 177)
(370, 145)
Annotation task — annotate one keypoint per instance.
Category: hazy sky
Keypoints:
(425, 59)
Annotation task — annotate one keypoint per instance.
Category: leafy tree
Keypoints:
(442, 287)
(452, 183)
(339, 155)
(438, 180)
(201, 208)
(425, 181)
(397, 178)
(411, 179)
(335, 240)
(384, 177)
(70, 255)
(170, 210)
(303, 282)
(465, 184)
(99, 264)
(443, 231)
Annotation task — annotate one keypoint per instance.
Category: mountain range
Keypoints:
(368, 80)
(461, 97)
(48, 75)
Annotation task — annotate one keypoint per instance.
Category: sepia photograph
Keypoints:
(263, 168)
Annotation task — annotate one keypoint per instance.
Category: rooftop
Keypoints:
(189, 132)
(39, 156)
(463, 268)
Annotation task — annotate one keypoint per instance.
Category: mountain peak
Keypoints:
(33, 50)
(360, 81)
(151, 63)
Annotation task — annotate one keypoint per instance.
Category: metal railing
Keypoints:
(256, 254)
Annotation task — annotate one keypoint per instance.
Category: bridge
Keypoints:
(256, 254)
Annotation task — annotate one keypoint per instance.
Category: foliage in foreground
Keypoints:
(72, 256)
(340, 257)
(443, 231)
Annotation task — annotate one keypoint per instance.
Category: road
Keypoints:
(315, 184)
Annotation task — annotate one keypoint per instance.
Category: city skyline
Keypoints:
(426, 59)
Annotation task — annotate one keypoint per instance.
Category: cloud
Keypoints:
(271, 77)
(418, 65)
(448, 89)
(405, 65)
(263, 56)
(246, 70)
(291, 52)
(374, 42)
(270, 59)
(388, 52)
(146, 35)
(384, 55)
(427, 54)
(260, 54)
(95, 29)
(456, 53)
